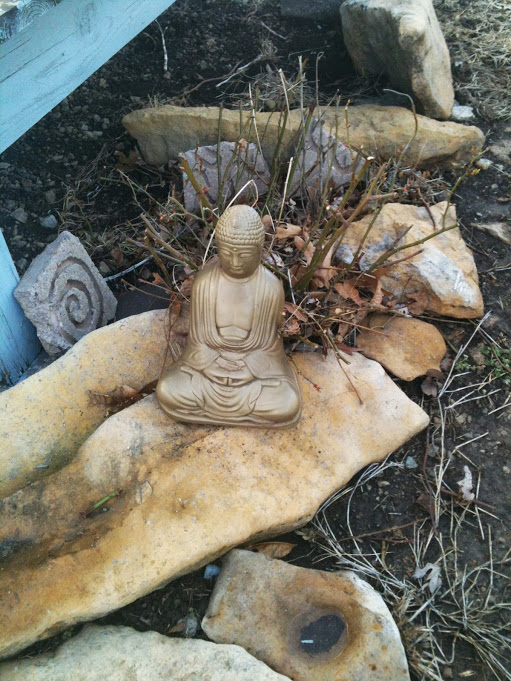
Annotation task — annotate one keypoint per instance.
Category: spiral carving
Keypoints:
(76, 299)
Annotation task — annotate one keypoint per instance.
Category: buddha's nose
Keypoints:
(235, 260)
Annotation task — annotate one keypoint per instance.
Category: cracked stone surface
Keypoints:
(121, 653)
(186, 494)
(307, 624)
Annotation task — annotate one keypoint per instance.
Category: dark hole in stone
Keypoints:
(322, 634)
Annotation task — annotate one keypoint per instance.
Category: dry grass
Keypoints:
(478, 33)
(459, 601)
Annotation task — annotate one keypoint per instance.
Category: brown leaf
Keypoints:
(295, 311)
(127, 163)
(435, 373)
(117, 256)
(272, 549)
(348, 291)
(378, 293)
(121, 397)
(291, 328)
(177, 628)
(308, 252)
(267, 222)
(285, 231)
(419, 302)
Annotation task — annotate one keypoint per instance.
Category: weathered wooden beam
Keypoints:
(49, 58)
(19, 344)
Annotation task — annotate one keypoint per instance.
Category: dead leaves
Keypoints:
(118, 399)
(285, 231)
(272, 549)
(348, 291)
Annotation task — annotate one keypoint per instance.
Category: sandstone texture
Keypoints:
(403, 39)
(307, 624)
(239, 164)
(123, 654)
(64, 295)
(165, 132)
(45, 418)
(442, 274)
(406, 347)
(181, 495)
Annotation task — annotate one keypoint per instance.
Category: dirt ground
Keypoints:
(65, 166)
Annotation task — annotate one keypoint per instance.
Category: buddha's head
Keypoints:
(239, 239)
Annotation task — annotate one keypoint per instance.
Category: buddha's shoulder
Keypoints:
(206, 272)
(273, 283)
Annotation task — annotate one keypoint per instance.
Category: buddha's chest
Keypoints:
(235, 305)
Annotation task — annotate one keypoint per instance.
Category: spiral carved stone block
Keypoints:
(64, 295)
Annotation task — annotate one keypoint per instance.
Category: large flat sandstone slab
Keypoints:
(123, 654)
(164, 132)
(187, 494)
(45, 418)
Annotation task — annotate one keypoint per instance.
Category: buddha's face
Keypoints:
(239, 260)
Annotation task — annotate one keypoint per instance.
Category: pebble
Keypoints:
(483, 163)
(410, 463)
(20, 215)
(462, 113)
(50, 195)
(49, 222)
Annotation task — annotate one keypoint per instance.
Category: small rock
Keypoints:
(20, 215)
(238, 165)
(443, 274)
(21, 264)
(102, 82)
(462, 113)
(500, 230)
(307, 624)
(64, 295)
(51, 195)
(104, 268)
(502, 150)
(121, 653)
(4, 165)
(483, 163)
(410, 463)
(406, 347)
(402, 38)
(49, 222)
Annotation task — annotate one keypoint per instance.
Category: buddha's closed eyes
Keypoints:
(233, 370)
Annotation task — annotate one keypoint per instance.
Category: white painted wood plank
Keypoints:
(48, 59)
(19, 344)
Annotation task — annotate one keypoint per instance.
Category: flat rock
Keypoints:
(182, 495)
(500, 230)
(122, 654)
(45, 418)
(242, 172)
(442, 274)
(64, 295)
(307, 624)
(403, 39)
(165, 132)
(406, 347)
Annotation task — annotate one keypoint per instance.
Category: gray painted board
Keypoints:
(19, 344)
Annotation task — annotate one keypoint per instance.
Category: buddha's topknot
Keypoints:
(240, 225)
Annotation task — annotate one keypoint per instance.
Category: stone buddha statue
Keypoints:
(233, 370)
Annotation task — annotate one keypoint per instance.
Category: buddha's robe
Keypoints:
(233, 382)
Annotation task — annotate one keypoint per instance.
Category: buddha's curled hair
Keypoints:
(240, 225)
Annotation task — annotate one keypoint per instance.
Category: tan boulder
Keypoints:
(403, 39)
(181, 495)
(164, 132)
(406, 347)
(307, 624)
(441, 274)
(121, 653)
(45, 418)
